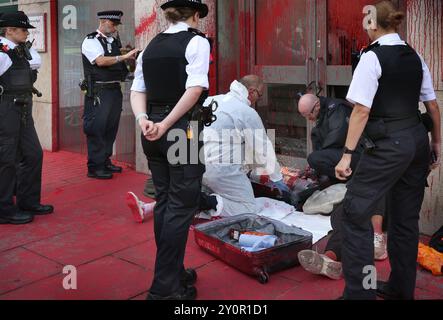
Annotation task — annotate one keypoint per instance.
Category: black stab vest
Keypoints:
(116, 72)
(164, 68)
(18, 79)
(398, 95)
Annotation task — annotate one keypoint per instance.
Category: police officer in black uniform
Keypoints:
(104, 69)
(21, 156)
(389, 82)
(170, 85)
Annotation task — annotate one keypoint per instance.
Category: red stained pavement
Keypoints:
(93, 230)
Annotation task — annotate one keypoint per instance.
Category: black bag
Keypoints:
(437, 241)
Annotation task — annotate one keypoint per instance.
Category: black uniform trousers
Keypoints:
(397, 168)
(325, 161)
(21, 156)
(178, 188)
(100, 122)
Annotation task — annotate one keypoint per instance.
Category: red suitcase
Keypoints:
(214, 237)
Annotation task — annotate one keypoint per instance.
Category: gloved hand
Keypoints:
(280, 186)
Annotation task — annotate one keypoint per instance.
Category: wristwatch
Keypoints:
(346, 150)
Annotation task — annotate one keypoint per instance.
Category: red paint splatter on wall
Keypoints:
(146, 23)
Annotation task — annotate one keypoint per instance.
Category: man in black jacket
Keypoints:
(331, 117)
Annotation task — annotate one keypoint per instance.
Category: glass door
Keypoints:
(282, 52)
(339, 33)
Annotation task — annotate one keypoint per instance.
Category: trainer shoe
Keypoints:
(380, 247)
(320, 264)
(136, 207)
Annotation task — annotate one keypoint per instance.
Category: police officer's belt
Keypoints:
(379, 128)
(110, 85)
(160, 108)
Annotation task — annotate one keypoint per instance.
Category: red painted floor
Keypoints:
(93, 231)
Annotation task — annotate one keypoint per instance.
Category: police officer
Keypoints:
(21, 156)
(171, 80)
(388, 84)
(104, 69)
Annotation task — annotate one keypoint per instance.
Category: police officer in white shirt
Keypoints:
(21, 155)
(171, 80)
(104, 69)
(389, 82)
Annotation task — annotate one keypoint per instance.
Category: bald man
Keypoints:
(331, 118)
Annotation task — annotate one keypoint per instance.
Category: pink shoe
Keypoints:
(136, 207)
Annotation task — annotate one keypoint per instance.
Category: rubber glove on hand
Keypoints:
(280, 186)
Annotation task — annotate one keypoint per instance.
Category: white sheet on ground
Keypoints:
(318, 225)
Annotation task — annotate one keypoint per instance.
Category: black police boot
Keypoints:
(16, 218)
(185, 293)
(39, 210)
(386, 293)
(113, 169)
(100, 174)
(188, 278)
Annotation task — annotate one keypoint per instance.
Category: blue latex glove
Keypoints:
(280, 186)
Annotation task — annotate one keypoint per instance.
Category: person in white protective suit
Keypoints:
(235, 144)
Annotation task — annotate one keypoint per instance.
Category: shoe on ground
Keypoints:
(380, 247)
(320, 264)
(136, 207)
(39, 210)
(113, 169)
(16, 218)
(189, 278)
(185, 293)
(385, 292)
(100, 175)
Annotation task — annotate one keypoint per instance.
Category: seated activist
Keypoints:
(235, 144)
(331, 118)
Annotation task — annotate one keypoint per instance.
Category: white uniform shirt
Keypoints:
(365, 84)
(6, 63)
(92, 48)
(197, 54)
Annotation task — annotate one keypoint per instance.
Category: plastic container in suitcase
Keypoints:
(215, 238)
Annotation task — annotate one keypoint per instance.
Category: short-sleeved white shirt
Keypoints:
(6, 63)
(92, 48)
(365, 83)
(197, 54)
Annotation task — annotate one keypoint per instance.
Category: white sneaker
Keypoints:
(380, 247)
(316, 263)
(136, 207)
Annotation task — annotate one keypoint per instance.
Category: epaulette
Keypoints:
(371, 47)
(92, 35)
(197, 32)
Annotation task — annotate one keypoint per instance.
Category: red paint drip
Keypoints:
(146, 23)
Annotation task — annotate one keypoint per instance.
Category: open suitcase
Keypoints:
(215, 238)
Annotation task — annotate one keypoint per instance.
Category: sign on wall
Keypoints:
(39, 34)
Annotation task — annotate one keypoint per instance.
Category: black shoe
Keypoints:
(100, 174)
(39, 210)
(185, 293)
(113, 169)
(385, 292)
(16, 218)
(188, 278)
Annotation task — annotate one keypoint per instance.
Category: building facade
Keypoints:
(291, 43)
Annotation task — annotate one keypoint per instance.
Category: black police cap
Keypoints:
(195, 4)
(16, 19)
(113, 15)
